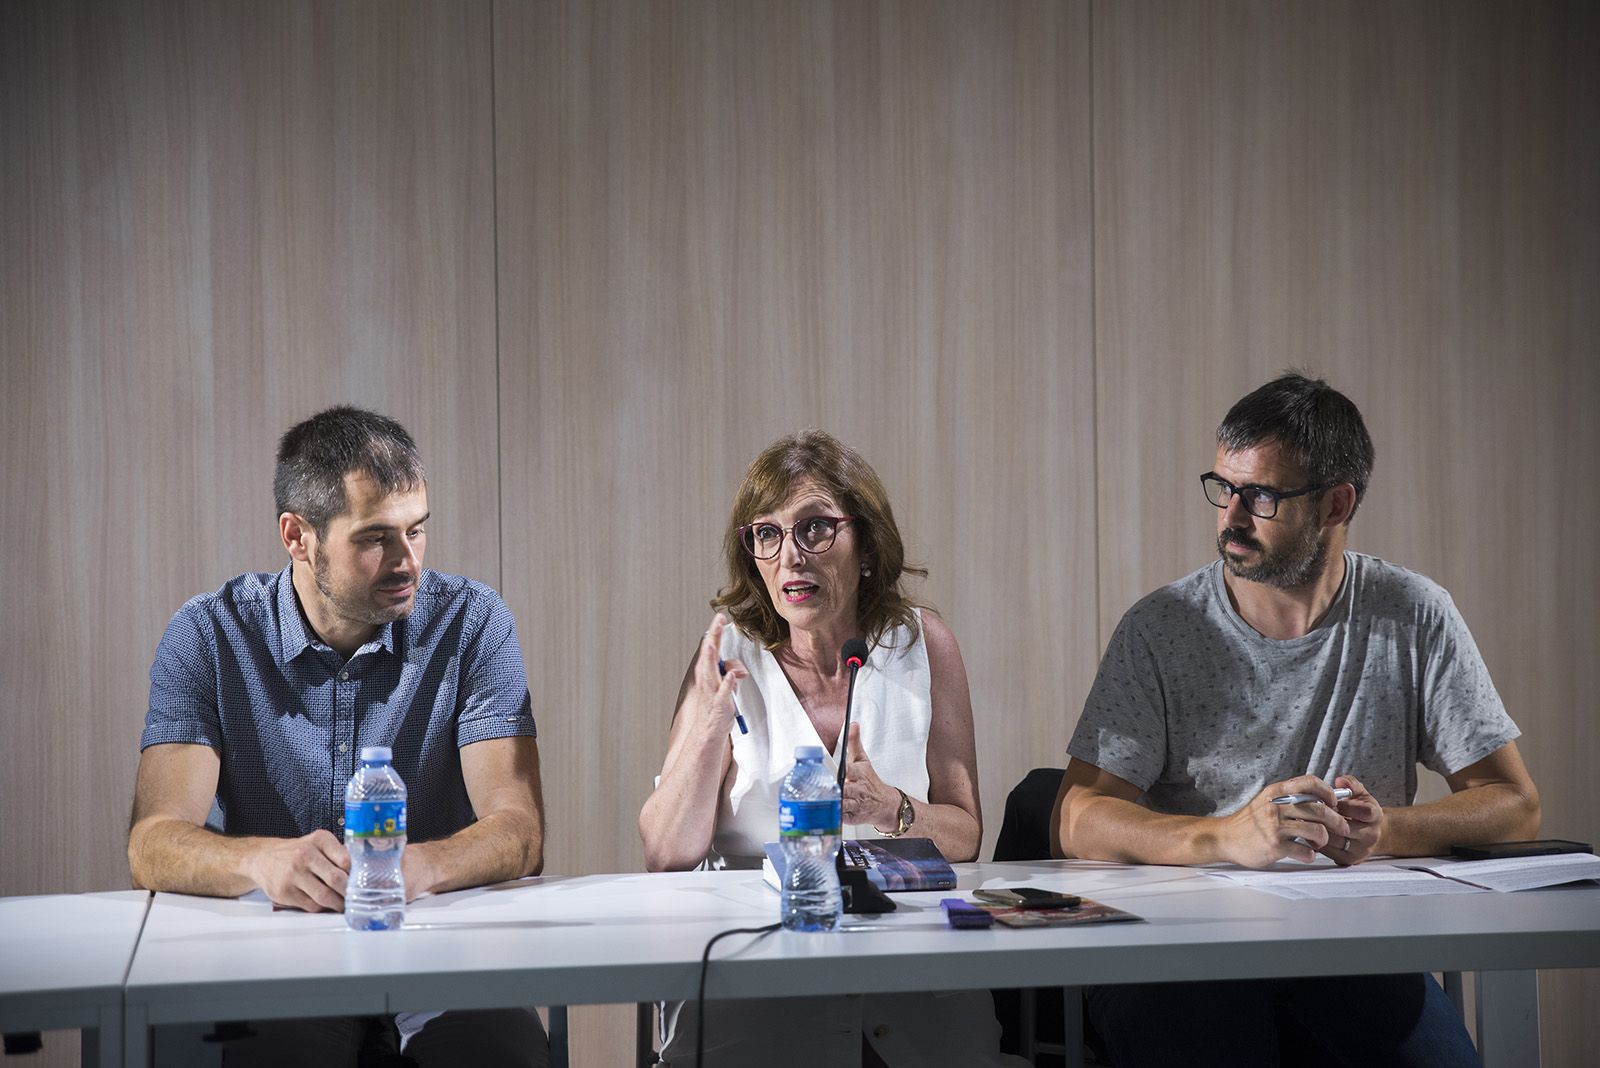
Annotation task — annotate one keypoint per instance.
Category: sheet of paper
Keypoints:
(1516, 873)
(1363, 880)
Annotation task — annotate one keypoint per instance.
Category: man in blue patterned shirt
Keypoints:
(263, 693)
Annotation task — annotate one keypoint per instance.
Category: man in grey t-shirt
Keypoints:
(1289, 666)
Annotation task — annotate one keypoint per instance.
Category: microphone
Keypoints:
(854, 654)
(857, 894)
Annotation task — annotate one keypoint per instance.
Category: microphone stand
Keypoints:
(857, 893)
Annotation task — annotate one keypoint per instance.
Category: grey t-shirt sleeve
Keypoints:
(1463, 718)
(1123, 729)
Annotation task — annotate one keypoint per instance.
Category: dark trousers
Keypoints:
(494, 1038)
(1366, 1020)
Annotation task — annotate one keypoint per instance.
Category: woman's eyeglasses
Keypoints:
(813, 534)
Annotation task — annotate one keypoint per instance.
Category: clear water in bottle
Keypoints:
(375, 835)
(808, 831)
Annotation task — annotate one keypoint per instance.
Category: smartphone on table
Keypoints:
(1028, 897)
(1539, 847)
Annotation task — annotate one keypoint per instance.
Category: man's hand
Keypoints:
(1365, 819)
(308, 873)
(867, 798)
(417, 871)
(1261, 833)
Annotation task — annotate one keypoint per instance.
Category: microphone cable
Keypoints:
(700, 1002)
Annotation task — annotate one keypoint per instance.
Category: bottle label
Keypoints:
(808, 817)
(375, 819)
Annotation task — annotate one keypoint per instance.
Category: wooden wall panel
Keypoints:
(720, 223)
(215, 219)
(1013, 251)
(1401, 197)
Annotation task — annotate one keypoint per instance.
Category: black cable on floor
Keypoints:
(700, 1002)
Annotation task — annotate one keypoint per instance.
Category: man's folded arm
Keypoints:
(170, 848)
(1098, 818)
(507, 839)
(1491, 800)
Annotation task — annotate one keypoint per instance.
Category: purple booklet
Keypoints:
(892, 864)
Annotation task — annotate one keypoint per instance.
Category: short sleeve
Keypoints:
(1463, 718)
(183, 693)
(1123, 726)
(495, 702)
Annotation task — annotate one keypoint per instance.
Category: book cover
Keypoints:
(892, 864)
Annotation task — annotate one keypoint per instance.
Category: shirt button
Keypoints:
(880, 1031)
(344, 676)
(343, 748)
(341, 821)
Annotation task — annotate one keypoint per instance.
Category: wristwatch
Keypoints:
(904, 818)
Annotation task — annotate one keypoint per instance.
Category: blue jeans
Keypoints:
(1366, 1020)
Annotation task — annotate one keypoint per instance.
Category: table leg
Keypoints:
(135, 1037)
(1455, 990)
(1508, 1019)
(101, 1046)
(644, 1046)
(1072, 1027)
(1028, 1016)
(558, 1036)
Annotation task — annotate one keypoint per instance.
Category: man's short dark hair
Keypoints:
(1319, 428)
(316, 455)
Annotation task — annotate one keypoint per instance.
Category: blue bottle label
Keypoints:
(375, 819)
(808, 817)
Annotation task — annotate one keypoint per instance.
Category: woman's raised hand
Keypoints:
(710, 699)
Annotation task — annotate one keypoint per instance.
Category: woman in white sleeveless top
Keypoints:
(814, 559)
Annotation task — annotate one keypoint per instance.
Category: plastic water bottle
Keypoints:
(808, 828)
(375, 834)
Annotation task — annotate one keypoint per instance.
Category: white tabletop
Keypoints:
(63, 957)
(622, 938)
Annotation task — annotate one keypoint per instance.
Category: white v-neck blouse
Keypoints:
(893, 703)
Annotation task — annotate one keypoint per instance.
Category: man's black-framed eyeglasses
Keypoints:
(1259, 501)
(813, 534)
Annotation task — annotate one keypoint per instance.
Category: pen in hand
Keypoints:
(1300, 799)
(738, 717)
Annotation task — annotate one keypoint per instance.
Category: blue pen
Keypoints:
(738, 717)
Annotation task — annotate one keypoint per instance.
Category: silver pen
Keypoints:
(1300, 799)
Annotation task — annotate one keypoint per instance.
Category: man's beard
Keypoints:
(1296, 564)
(351, 607)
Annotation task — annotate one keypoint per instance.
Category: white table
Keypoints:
(634, 938)
(63, 958)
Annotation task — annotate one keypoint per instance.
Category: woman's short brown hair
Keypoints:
(839, 469)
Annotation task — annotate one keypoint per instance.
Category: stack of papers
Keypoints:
(1516, 873)
(1360, 881)
(1396, 878)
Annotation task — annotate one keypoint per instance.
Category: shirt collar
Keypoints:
(294, 637)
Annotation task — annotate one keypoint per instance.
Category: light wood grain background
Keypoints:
(596, 255)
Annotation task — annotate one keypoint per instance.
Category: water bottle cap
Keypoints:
(808, 752)
(376, 754)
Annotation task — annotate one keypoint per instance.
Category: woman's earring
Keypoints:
(866, 570)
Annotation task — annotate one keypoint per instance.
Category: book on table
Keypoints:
(892, 864)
